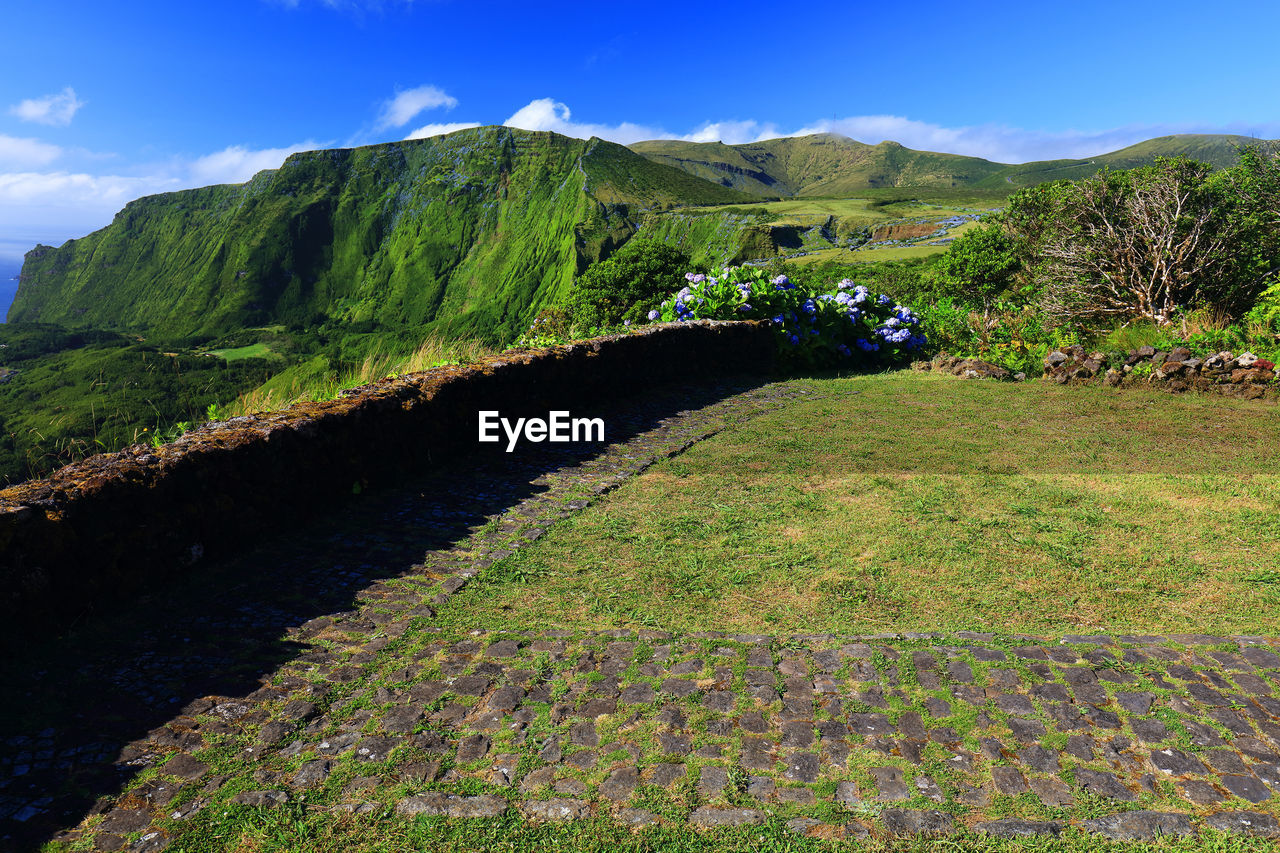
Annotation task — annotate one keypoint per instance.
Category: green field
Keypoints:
(258, 350)
(910, 502)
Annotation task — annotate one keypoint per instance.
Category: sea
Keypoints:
(8, 286)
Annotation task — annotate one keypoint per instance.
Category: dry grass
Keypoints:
(291, 387)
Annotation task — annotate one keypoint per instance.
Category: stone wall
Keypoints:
(1177, 370)
(114, 522)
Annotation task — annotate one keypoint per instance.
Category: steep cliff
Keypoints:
(467, 233)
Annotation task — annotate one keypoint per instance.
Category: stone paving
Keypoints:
(380, 704)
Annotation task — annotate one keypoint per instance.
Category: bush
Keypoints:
(979, 265)
(625, 286)
(1144, 243)
(840, 325)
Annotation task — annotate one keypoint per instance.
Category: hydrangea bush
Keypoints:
(847, 325)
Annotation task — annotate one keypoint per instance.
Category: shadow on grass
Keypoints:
(70, 707)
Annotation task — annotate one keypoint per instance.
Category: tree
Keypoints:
(627, 285)
(980, 265)
(1138, 244)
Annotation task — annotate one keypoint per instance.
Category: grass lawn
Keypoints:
(854, 256)
(912, 502)
(258, 350)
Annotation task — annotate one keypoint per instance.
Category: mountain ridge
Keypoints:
(472, 231)
(829, 164)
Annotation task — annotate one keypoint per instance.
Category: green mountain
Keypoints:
(824, 164)
(468, 233)
(830, 165)
(1220, 150)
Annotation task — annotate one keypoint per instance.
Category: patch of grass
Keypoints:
(920, 503)
(297, 827)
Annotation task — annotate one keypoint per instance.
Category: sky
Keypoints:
(101, 103)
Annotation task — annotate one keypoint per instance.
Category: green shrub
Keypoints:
(625, 286)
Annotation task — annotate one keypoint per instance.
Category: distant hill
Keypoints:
(468, 233)
(827, 164)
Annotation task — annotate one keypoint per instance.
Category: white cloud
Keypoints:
(19, 153)
(733, 132)
(550, 114)
(237, 164)
(56, 109)
(437, 129)
(53, 198)
(400, 110)
(52, 204)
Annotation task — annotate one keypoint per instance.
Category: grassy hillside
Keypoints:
(830, 165)
(468, 233)
(823, 164)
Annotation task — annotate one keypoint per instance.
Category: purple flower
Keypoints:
(744, 308)
(845, 284)
(653, 315)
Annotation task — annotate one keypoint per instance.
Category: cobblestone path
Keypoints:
(369, 704)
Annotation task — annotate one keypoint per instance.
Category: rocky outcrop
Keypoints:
(1176, 370)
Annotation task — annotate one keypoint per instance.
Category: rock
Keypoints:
(261, 798)
(1014, 828)
(975, 368)
(185, 767)
(312, 773)
(121, 821)
(472, 748)
(1179, 354)
(917, 822)
(1246, 787)
(1113, 377)
(1055, 358)
(712, 781)
(1139, 826)
(636, 818)
(620, 784)
(1244, 823)
(709, 816)
(556, 809)
(1251, 375)
(1145, 351)
(1175, 762)
(1246, 359)
(441, 803)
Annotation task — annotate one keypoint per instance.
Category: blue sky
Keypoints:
(103, 102)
